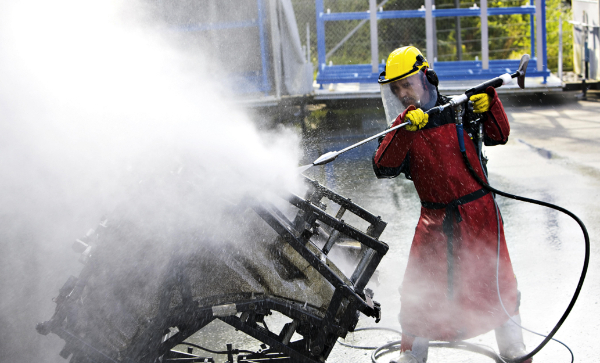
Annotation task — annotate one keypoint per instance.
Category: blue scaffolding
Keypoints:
(449, 70)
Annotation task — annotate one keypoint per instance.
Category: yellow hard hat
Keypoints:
(402, 62)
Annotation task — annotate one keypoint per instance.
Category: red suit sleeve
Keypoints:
(496, 126)
(395, 145)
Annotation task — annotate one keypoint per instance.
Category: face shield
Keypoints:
(413, 90)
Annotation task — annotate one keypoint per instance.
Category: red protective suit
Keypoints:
(449, 288)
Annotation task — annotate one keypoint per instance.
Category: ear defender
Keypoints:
(432, 77)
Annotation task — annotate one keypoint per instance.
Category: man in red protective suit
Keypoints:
(449, 291)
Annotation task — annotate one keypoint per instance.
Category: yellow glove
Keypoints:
(481, 102)
(417, 118)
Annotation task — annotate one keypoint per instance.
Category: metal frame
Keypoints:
(319, 328)
(455, 70)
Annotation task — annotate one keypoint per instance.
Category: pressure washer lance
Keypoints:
(495, 82)
(332, 155)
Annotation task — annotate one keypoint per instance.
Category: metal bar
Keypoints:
(331, 241)
(308, 59)
(263, 47)
(485, 48)
(544, 45)
(435, 43)
(367, 273)
(442, 13)
(437, 13)
(320, 35)
(560, 46)
(290, 331)
(429, 31)
(400, 14)
(340, 212)
(538, 35)
(366, 258)
(532, 30)
(275, 46)
(374, 37)
(345, 16)
(458, 33)
(511, 10)
(335, 234)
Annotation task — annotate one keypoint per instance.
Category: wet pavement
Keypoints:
(552, 155)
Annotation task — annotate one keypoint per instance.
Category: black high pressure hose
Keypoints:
(586, 237)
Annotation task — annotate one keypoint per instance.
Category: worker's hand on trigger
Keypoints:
(481, 102)
(417, 118)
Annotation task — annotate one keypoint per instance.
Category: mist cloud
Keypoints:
(93, 101)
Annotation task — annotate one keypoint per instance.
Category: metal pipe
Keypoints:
(485, 48)
(308, 60)
(263, 47)
(543, 37)
(320, 34)
(331, 241)
(560, 46)
(335, 234)
(532, 31)
(429, 31)
(374, 37)
(290, 332)
(275, 46)
(367, 273)
(539, 44)
(458, 33)
(364, 261)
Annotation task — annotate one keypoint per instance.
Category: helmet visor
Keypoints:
(398, 95)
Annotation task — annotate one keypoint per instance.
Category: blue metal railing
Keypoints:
(420, 13)
(453, 70)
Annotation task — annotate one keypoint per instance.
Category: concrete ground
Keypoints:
(562, 124)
